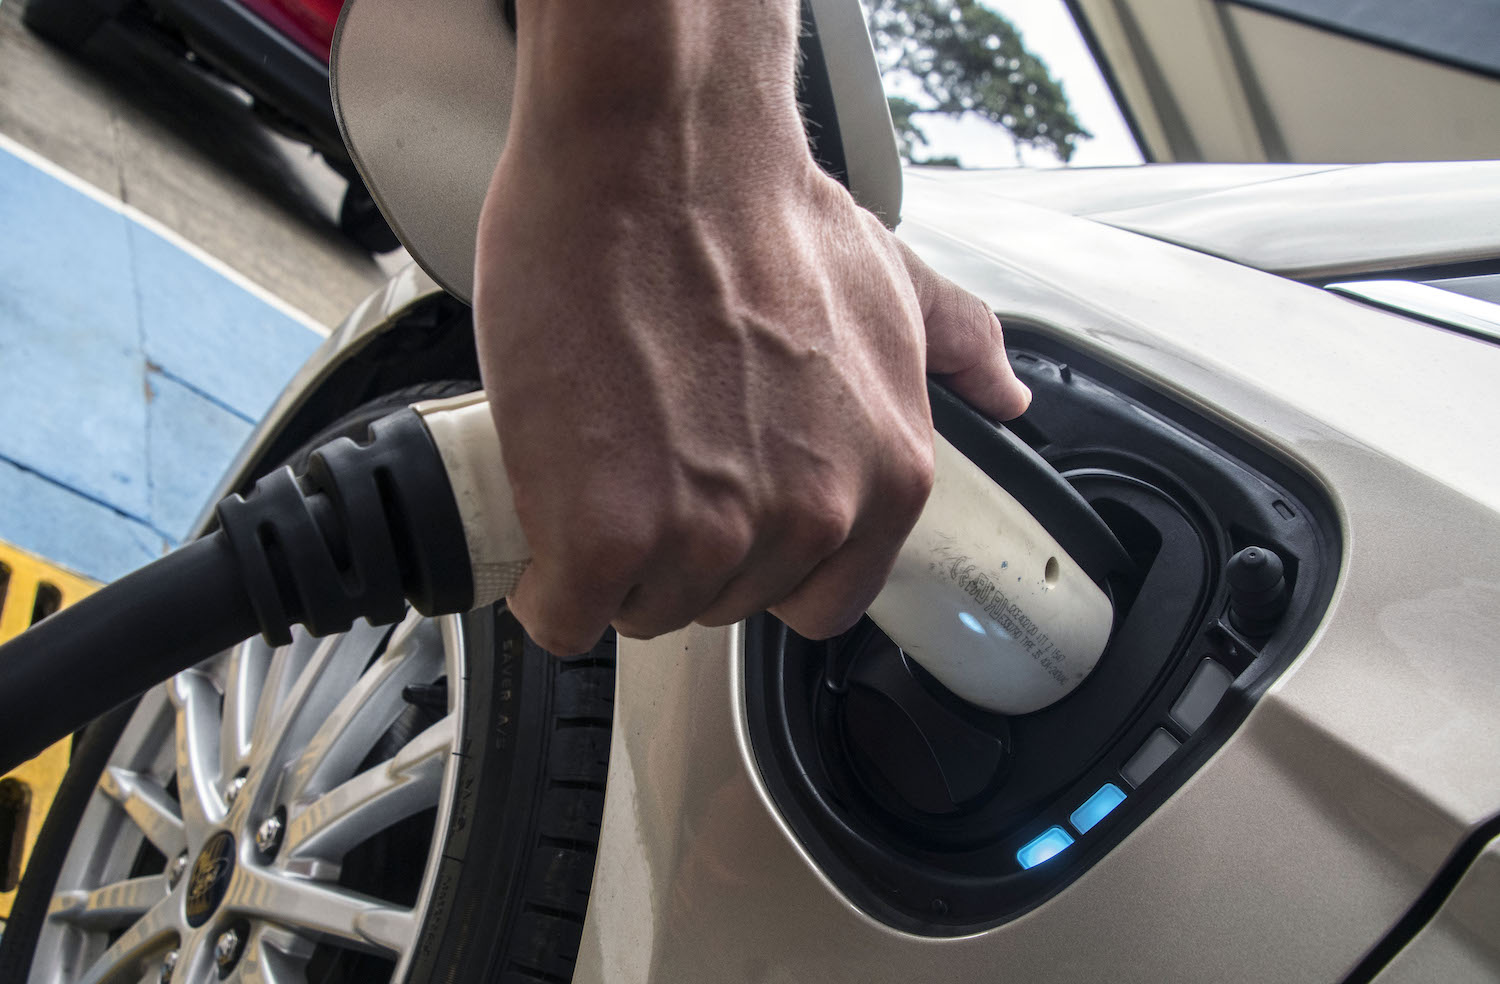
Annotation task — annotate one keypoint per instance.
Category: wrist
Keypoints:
(672, 85)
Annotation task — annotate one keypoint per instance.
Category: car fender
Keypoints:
(406, 304)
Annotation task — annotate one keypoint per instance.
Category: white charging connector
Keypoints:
(982, 596)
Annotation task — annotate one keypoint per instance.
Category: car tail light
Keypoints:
(309, 23)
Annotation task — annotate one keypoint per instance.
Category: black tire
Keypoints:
(68, 24)
(361, 221)
(508, 903)
(90, 755)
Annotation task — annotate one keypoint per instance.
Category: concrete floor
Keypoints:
(132, 368)
(160, 135)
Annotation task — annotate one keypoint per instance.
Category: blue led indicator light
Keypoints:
(970, 622)
(1097, 807)
(1050, 844)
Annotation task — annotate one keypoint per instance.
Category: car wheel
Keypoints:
(361, 221)
(65, 23)
(382, 804)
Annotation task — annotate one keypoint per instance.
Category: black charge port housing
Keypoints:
(941, 819)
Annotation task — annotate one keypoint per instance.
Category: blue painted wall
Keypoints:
(130, 374)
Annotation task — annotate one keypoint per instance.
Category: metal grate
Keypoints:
(30, 590)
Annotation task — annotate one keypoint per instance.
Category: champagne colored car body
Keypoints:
(1345, 830)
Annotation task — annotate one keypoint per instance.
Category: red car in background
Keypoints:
(310, 23)
(275, 50)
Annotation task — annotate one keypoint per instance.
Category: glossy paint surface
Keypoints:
(1309, 833)
(1338, 222)
(1298, 845)
(1301, 220)
(1460, 945)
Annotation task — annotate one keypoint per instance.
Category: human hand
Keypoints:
(707, 366)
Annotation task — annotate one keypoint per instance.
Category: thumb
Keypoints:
(964, 343)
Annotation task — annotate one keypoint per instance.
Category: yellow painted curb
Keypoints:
(30, 589)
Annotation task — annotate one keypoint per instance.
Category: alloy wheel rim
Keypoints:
(297, 723)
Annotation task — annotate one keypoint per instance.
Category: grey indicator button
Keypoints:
(1201, 695)
(1152, 753)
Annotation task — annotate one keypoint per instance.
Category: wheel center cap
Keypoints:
(210, 878)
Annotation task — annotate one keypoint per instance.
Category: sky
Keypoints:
(1047, 29)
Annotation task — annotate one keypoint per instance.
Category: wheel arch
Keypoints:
(408, 332)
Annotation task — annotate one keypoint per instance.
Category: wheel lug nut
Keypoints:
(174, 872)
(268, 834)
(168, 965)
(232, 791)
(227, 949)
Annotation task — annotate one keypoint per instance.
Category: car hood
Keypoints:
(1304, 221)
(1298, 344)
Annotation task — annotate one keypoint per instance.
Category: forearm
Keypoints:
(705, 361)
(672, 89)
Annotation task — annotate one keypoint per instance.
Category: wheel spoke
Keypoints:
(197, 703)
(149, 806)
(133, 954)
(109, 907)
(375, 799)
(363, 714)
(287, 664)
(296, 722)
(273, 956)
(195, 958)
(330, 672)
(337, 914)
(244, 678)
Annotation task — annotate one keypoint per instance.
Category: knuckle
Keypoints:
(721, 615)
(817, 621)
(651, 610)
(647, 625)
(716, 546)
(820, 521)
(752, 596)
(968, 320)
(610, 552)
(913, 483)
(630, 629)
(901, 486)
(831, 601)
(984, 320)
(559, 641)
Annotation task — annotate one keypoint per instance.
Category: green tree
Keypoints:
(958, 57)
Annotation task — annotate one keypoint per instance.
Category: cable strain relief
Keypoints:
(368, 527)
(254, 527)
(398, 484)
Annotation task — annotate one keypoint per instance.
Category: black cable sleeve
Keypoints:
(370, 527)
(115, 644)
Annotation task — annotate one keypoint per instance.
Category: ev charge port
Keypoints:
(941, 818)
